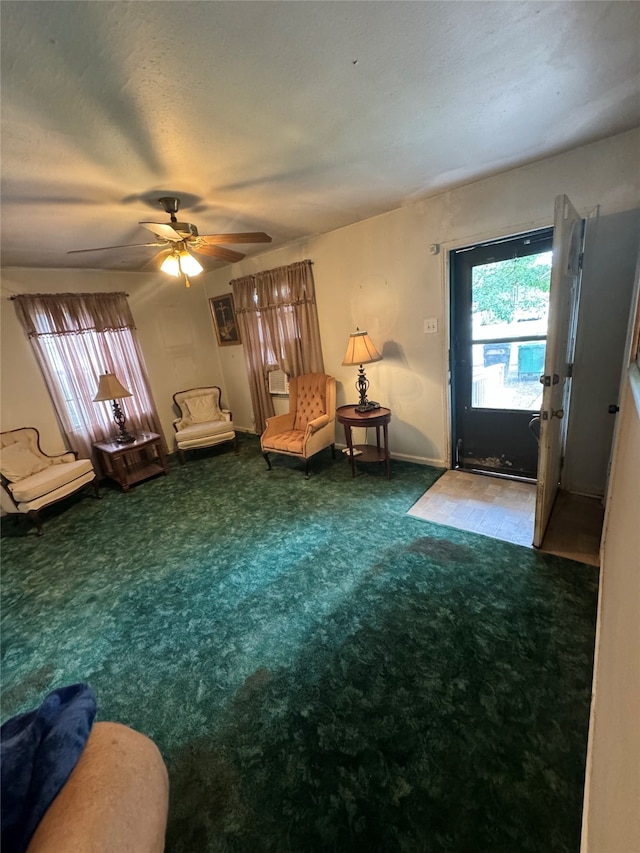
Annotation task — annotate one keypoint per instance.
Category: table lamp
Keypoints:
(361, 351)
(110, 388)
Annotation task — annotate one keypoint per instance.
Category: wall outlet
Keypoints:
(430, 325)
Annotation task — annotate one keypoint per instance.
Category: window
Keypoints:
(279, 323)
(77, 337)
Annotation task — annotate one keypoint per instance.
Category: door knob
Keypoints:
(613, 409)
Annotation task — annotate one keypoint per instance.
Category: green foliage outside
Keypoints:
(516, 289)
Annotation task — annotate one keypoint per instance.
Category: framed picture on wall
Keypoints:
(224, 320)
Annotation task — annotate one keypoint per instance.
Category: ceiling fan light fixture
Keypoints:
(171, 264)
(190, 266)
(181, 263)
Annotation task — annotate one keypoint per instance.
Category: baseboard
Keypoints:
(406, 457)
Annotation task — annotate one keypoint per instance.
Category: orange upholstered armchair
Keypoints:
(310, 424)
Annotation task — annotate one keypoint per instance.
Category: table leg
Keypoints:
(348, 439)
(162, 457)
(386, 451)
(120, 471)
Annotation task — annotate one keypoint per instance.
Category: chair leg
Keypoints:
(181, 455)
(96, 488)
(333, 451)
(33, 515)
(265, 453)
(236, 449)
(306, 469)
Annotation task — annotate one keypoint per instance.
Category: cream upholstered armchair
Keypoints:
(202, 423)
(31, 479)
(310, 424)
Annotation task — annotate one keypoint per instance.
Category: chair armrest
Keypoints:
(317, 423)
(227, 416)
(279, 423)
(6, 491)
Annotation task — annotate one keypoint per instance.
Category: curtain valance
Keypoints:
(281, 286)
(73, 313)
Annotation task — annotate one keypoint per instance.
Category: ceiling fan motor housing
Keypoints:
(185, 229)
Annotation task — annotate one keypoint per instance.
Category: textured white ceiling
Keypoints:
(294, 118)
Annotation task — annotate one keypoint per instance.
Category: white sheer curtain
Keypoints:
(278, 322)
(76, 337)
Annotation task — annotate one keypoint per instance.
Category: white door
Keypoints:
(564, 295)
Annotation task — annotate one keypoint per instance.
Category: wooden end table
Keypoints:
(349, 417)
(130, 463)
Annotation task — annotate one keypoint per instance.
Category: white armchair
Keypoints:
(202, 423)
(32, 479)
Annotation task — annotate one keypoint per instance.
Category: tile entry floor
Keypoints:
(504, 509)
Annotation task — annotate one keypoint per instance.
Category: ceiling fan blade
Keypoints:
(155, 262)
(105, 248)
(162, 229)
(218, 252)
(252, 237)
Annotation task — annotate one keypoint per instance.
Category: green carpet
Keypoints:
(321, 671)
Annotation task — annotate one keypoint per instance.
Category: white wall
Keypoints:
(611, 820)
(612, 796)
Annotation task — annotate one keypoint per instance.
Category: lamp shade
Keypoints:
(360, 349)
(110, 388)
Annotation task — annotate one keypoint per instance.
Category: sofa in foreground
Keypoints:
(70, 785)
(115, 800)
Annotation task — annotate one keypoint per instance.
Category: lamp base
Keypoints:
(368, 406)
(125, 438)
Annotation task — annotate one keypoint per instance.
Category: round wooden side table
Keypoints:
(349, 417)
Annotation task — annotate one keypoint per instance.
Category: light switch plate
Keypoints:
(430, 325)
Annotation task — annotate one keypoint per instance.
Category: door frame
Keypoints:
(446, 249)
(496, 440)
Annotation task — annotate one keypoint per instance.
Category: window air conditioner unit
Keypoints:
(278, 382)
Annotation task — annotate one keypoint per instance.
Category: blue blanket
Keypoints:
(38, 751)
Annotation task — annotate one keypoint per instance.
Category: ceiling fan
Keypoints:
(176, 240)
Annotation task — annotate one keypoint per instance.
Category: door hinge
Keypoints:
(555, 413)
(569, 371)
(580, 260)
(548, 381)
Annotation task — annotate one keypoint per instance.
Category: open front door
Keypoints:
(568, 234)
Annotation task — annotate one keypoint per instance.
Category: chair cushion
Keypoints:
(18, 462)
(54, 476)
(203, 430)
(289, 441)
(203, 409)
